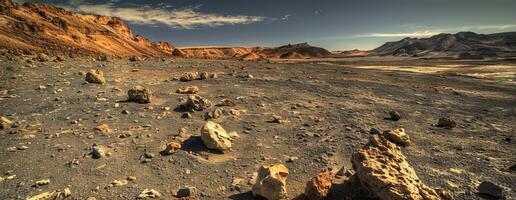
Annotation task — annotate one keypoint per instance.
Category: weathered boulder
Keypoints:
(319, 186)
(446, 122)
(139, 94)
(271, 182)
(189, 76)
(397, 136)
(215, 137)
(385, 174)
(197, 103)
(5, 123)
(191, 89)
(95, 76)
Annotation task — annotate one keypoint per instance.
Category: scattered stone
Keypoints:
(384, 173)
(214, 114)
(95, 76)
(279, 119)
(148, 155)
(117, 183)
(171, 148)
(42, 182)
(188, 90)
(203, 76)
(187, 192)
(43, 57)
(42, 87)
(131, 178)
(374, 131)
(249, 76)
(97, 152)
(344, 172)
(292, 159)
(213, 75)
(271, 182)
(5, 123)
(395, 116)
(67, 192)
(215, 137)
(1, 179)
(491, 189)
(42, 196)
(319, 186)
(233, 134)
(139, 94)
(189, 76)
(103, 129)
(23, 147)
(446, 122)
(226, 102)
(149, 193)
(126, 112)
(197, 103)
(397, 136)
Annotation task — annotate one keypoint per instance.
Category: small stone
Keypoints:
(43, 57)
(131, 178)
(215, 137)
(95, 76)
(23, 147)
(171, 148)
(279, 119)
(271, 182)
(374, 131)
(397, 136)
(491, 189)
(187, 192)
(236, 184)
(103, 129)
(139, 94)
(292, 159)
(67, 192)
(42, 87)
(446, 122)
(42, 182)
(148, 155)
(249, 76)
(319, 186)
(203, 76)
(395, 116)
(513, 168)
(5, 123)
(149, 193)
(125, 112)
(97, 152)
(42, 196)
(134, 58)
(117, 183)
(188, 90)
(214, 114)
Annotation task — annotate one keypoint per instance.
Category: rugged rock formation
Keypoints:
(44, 28)
(271, 182)
(319, 186)
(197, 103)
(139, 94)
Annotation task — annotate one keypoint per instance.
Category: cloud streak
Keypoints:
(428, 33)
(186, 18)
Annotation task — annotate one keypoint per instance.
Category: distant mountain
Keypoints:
(462, 44)
(296, 50)
(33, 27)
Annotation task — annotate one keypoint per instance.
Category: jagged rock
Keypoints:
(215, 137)
(197, 103)
(149, 193)
(384, 173)
(397, 136)
(446, 122)
(319, 186)
(214, 114)
(171, 148)
(271, 182)
(43, 57)
(395, 116)
(226, 102)
(95, 76)
(491, 189)
(189, 76)
(139, 94)
(188, 90)
(5, 123)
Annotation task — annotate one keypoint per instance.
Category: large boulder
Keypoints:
(319, 186)
(384, 173)
(139, 94)
(215, 137)
(95, 76)
(271, 182)
(197, 103)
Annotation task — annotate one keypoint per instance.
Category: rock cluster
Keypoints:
(271, 182)
(215, 137)
(95, 76)
(139, 94)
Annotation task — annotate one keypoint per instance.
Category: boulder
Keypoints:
(95, 76)
(397, 136)
(139, 94)
(171, 148)
(189, 76)
(215, 137)
(5, 123)
(271, 182)
(446, 122)
(395, 116)
(197, 103)
(491, 189)
(384, 173)
(319, 186)
(191, 89)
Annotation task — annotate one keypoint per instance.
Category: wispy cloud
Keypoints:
(186, 18)
(406, 34)
(435, 31)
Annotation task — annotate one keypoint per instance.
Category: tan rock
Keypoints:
(117, 183)
(319, 186)
(215, 137)
(397, 136)
(197, 103)
(43, 57)
(42, 196)
(189, 76)
(149, 193)
(204, 75)
(191, 89)
(139, 94)
(5, 123)
(226, 102)
(95, 76)
(172, 147)
(103, 129)
(214, 114)
(271, 182)
(384, 173)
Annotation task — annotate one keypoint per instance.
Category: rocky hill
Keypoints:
(462, 44)
(296, 50)
(33, 27)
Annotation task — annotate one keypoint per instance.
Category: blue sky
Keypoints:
(332, 24)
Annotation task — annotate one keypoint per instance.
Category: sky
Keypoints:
(331, 24)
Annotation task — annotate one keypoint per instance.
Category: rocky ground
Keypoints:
(307, 116)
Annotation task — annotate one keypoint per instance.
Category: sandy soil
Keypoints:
(55, 125)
